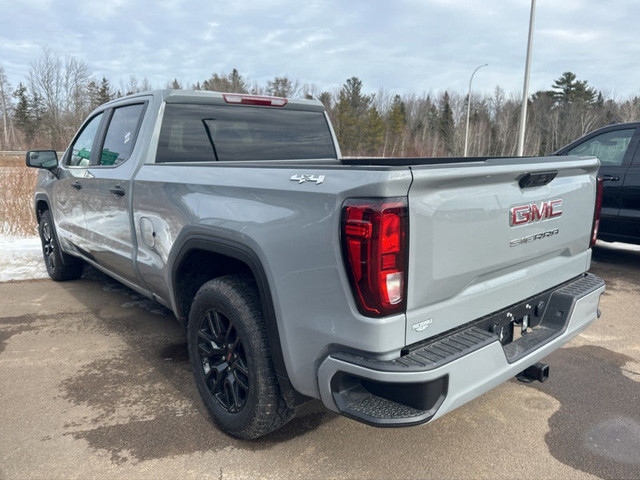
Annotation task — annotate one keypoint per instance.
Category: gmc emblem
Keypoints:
(535, 213)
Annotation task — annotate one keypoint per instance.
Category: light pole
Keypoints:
(466, 132)
(525, 88)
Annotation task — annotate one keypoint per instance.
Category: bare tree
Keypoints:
(76, 86)
(63, 88)
(6, 109)
(46, 80)
(134, 85)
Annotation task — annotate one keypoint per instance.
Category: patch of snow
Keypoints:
(21, 259)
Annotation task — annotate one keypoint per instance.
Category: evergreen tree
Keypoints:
(351, 115)
(397, 121)
(567, 89)
(397, 116)
(351, 94)
(327, 100)
(280, 87)
(92, 92)
(29, 112)
(237, 83)
(104, 91)
(99, 94)
(373, 132)
(540, 105)
(232, 83)
(433, 118)
(446, 126)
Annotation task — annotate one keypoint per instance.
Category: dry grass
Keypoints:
(17, 185)
(10, 159)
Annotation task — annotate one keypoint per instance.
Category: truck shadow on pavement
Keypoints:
(142, 400)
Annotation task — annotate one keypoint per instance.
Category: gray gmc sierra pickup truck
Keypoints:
(393, 290)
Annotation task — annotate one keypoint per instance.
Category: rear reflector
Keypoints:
(375, 250)
(254, 100)
(596, 213)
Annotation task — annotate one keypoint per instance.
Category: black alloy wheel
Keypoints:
(60, 266)
(48, 245)
(223, 360)
(231, 358)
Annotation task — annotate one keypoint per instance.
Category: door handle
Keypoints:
(117, 190)
(77, 185)
(610, 178)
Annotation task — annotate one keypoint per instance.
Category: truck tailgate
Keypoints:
(481, 239)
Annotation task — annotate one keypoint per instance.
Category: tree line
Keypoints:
(49, 105)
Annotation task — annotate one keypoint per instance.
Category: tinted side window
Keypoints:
(81, 148)
(198, 133)
(120, 138)
(609, 147)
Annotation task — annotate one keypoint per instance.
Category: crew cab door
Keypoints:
(615, 148)
(69, 191)
(107, 209)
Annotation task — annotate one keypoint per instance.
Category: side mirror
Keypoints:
(47, 159)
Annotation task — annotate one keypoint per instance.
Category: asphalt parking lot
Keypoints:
(95, 383)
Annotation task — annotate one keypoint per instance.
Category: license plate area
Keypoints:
(519, 320)
(511, 330)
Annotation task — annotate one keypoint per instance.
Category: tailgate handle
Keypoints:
(537, 179)
(610, 178)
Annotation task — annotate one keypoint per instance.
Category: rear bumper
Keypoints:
(453, 369)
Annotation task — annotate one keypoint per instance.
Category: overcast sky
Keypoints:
(402, 46)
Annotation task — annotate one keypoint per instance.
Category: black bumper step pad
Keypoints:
(451, 345)
(432, 355)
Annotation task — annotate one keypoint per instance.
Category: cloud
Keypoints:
(407, 45)
(572, 35)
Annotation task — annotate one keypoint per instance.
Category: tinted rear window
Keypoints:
(205, 133)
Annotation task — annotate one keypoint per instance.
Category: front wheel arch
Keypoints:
(41, 205)
(60, 266)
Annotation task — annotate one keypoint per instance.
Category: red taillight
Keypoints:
(596, 213)
(374, 240)
(242, 99)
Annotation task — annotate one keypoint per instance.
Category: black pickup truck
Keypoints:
(617, 147)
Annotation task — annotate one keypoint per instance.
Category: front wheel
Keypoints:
(231, 359)
(60, 266)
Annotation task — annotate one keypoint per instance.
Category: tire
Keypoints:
(60, 266)
(231, 360)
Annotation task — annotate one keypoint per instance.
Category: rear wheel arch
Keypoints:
(225, 257)
(231, 358)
